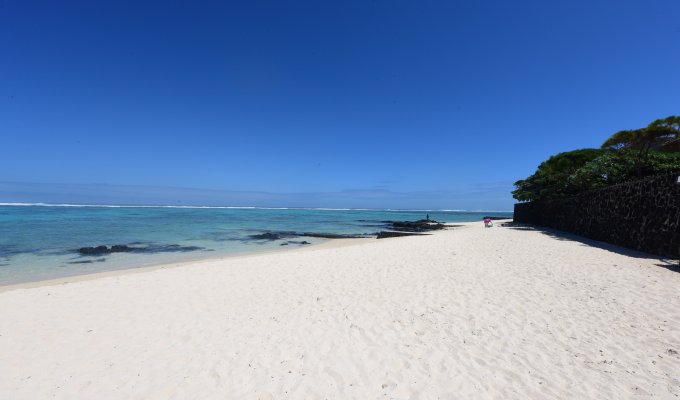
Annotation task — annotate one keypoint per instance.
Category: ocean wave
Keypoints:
(137, 206)
(181, 206)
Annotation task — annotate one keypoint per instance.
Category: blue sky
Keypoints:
(357, 103)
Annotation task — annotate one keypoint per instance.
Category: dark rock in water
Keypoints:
(422, 225)
(94, 251)
(87, 261)
(11, 250)
(120, 248)
(297, 242)
(273, 235)
(410, 228)
(56, 252)
(285, 235)
(165, 248)
(389, 234)
(266, 236)
(123, 248)
(496, 218)
(332, 235)
(101, 250)
(283, 244)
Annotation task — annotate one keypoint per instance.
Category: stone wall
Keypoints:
(642, 215)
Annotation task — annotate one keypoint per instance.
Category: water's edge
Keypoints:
(42, 242)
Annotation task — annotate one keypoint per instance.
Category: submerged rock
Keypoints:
(123, 248)
(166, 248)
(287, 235)
(296, 242)
(87, 261)
(393, 229)
(266, 236)
(119, 248)
(389, 234)
(94, 251)
(423, 225)
(332, 235)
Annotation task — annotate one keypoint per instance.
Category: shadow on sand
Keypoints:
(673, 265)
(561, 235)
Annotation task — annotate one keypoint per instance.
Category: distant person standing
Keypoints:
(427, 217)
(487, 222)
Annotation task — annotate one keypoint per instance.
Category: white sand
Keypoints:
(466, 313)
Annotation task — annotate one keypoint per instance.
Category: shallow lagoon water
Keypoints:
(40, 242)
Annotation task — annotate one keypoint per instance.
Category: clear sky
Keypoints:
(387, 104)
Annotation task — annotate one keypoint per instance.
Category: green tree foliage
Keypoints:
(624, 156)
(667, 132)
(659, 135)
(611, 169)
(551, 179)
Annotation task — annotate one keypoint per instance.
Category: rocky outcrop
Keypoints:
(288, 235)
(423, 225)
(393, 229)
(409, 228)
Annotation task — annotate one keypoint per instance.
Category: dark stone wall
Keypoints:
(642, 215)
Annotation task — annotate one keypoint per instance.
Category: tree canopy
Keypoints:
(552, 178)
(661, 135)
(624, 156)
(667, 132)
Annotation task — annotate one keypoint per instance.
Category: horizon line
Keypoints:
(42, 204)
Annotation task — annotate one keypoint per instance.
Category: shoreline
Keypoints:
(69, 242)
(327, 243)
(77, 277)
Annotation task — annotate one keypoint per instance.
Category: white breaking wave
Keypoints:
(175, 206)
(238, 207)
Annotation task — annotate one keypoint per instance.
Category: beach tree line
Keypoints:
(626, 155)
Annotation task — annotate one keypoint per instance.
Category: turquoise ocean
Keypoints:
(39, 242)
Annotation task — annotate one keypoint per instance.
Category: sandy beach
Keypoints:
(469, 312)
